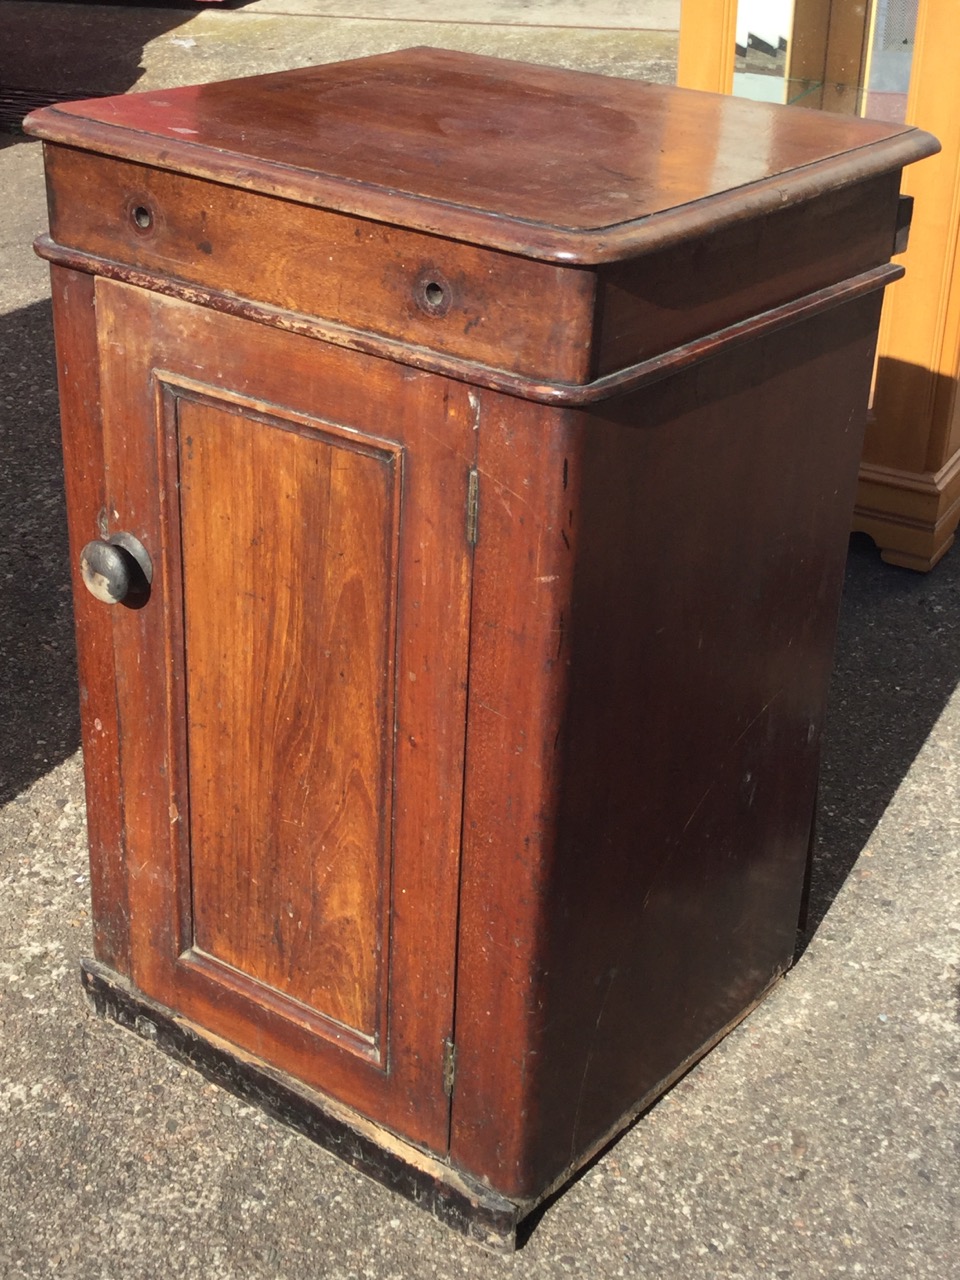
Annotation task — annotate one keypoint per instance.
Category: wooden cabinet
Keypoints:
(488, 435)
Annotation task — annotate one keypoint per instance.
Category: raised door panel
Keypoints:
(291, 696)
(290, 534)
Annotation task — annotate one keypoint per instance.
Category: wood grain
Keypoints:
(618, 381)
(75, 325)
(667, 298)
(271, 375)
(637, 818)
(291, 535)
(468, 739)
(913, 435)
(537, 161)
(497, 309)
(519, 671)
(909, 497)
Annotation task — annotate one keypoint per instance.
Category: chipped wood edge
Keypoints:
(568, 394)
(474, 1210)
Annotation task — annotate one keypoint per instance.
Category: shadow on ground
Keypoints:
(898, 661)
(38, 696)
(52, 52)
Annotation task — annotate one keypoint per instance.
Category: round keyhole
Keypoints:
(142, 217)
(433, 294)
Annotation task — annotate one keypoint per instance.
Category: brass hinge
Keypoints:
(473, 505)
(449, 1067)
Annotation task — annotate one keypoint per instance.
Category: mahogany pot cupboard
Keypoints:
(460, 456)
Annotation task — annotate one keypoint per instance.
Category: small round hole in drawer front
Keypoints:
(433, 294)
(142, 216)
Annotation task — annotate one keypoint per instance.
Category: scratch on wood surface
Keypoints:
(503, 489)
(736, 742)
(474, 400)
(586, 1066)
(714, 783)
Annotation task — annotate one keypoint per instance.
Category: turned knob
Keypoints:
(116, 569)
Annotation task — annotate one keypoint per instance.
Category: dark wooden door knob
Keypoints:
(117, 569)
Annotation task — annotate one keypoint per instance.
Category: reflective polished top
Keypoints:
(549, 163)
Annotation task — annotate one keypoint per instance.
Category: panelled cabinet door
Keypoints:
(291, 695)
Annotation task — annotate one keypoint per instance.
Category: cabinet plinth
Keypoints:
(491, 432)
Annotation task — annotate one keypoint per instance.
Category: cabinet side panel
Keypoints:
(74, 310)
(713, 521)
(653, 636)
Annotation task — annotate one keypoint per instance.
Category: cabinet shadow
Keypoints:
(897, 663)
(38, 688)
(58, 52)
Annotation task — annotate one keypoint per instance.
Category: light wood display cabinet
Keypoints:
(908, 498)
(460, 456)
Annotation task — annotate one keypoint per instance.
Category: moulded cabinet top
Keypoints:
(552, 164)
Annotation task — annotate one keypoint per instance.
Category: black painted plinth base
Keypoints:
(456, 1200)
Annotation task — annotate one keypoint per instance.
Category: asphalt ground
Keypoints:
(820, 1139)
